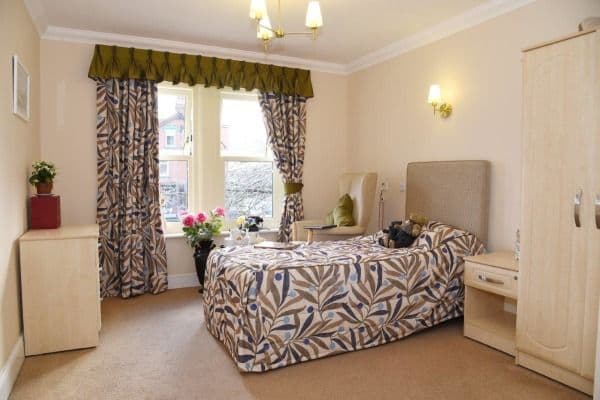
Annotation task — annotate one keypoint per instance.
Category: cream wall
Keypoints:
(479, 70)
(68, 138)
(19, 148)
(68, 132)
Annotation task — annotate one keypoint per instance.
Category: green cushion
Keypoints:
(342, 213)
(329, 219)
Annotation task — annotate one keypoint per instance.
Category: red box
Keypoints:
(44, 212)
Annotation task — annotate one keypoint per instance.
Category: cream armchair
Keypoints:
(361, 188)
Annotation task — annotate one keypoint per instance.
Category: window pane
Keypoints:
(249, 188)
(242, 128)
(172, 110)
(164, 168)
(173, 189)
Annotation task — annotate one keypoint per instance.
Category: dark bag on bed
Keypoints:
(397, 237)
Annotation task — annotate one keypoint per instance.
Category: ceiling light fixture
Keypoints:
(266, 32)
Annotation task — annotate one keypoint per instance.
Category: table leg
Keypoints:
(309, 236)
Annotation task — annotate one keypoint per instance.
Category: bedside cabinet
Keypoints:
(491, 279)
(60, 288)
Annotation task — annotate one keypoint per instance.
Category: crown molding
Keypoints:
(94, 37)
(466, 20)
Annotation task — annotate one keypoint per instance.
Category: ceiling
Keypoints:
(352, 28)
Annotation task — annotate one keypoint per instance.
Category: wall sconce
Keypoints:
(435, 99)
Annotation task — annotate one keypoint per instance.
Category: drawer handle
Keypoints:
(484, 278)
(597, 211)
(577, 207)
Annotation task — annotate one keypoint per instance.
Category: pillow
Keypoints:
(342, 213)
(435, 234)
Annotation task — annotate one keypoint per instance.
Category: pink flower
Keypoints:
(201, 217)
(219, 211)
(188, 220)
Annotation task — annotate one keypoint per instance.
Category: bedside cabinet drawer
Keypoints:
(491, 279)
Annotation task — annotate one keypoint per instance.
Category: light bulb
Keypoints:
(258, 9)
(264, 31)
(314, 19)
(435, 94)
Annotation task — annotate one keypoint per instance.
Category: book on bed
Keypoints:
(276, 245)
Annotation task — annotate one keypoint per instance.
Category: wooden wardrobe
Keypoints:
(557, 312)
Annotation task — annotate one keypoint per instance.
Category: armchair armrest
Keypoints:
(339, 233)
(298, 231)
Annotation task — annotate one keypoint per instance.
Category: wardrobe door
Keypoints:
(559, 84)
(592, 220)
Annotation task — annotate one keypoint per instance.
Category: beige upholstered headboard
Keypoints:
(454, 192)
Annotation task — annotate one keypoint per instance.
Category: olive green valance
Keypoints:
(129, 63)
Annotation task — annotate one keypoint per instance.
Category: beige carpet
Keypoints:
(157, 347)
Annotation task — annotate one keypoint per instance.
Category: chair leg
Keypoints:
(309, 236)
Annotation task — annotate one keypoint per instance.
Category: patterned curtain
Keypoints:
(285, 121)
(132, 246)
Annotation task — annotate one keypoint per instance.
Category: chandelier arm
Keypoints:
(267, 28)
(299, 33)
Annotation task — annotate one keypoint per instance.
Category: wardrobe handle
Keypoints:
(597, 210)
(577, 207)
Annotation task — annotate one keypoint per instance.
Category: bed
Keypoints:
(273, 308)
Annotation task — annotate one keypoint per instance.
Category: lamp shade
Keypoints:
(258, 9)
(314, 19)
(264, 31)
(435, 94)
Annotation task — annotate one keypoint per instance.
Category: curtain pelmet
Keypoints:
(113, 62)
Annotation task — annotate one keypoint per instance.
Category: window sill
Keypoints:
(221, 235)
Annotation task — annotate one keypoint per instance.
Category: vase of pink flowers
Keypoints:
(198, 230)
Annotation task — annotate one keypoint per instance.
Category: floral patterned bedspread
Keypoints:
(272, 308)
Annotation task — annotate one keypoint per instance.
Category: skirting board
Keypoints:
(179, 281)
(553, 372)
(10, 371)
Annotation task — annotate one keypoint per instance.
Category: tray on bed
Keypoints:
(276, 245)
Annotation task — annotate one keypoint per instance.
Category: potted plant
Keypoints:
(42, 176)
(199, 230)
(252, 226)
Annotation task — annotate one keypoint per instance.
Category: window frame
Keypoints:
(269, 222)
(206, 166)
(187, 154)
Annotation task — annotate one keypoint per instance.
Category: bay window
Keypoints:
(215, 148)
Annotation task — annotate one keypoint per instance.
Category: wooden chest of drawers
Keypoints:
(60, 288)
(490, 279)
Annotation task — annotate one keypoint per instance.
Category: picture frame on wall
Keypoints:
(21, 89)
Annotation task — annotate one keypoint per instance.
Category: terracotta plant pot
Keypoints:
(43, 188)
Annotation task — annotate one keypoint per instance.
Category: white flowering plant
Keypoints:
(42, 172)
